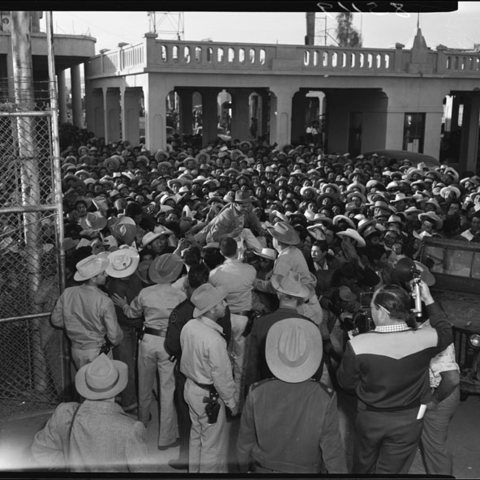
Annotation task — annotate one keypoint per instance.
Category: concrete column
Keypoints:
(156, 92)
(264, 126)
(433, 129)
(273, 119)
(299, 108)
(186, 109)
(240, 113)
(77, 111)
(281, 113)
(95, 112)
(394, 129)
(112, 115)
(209, 115)
(62, 97)
(469, 140)
(131, 115)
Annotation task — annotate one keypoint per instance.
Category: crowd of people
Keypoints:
(240, 269)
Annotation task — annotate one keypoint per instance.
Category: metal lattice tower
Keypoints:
(167, 24)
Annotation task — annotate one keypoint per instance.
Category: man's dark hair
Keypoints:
(198, 275)
(133, 209)
(228, 247)
(192, 256)
(321, 244)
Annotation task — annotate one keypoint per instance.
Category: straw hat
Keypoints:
(350, 232)
(101, 379)
(93, 221)
(125, 229)
(293, 349)
(149, 237)
(284, 233)
(290, 284)
(166, 268)
(268, 253)
(206, 297)
(90, 267)
(123, 262)
(431, 217)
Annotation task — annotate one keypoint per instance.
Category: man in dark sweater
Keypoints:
(387, 369)
(183, 313)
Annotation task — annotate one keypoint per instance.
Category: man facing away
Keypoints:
(238, 279)
(290, 422)
(95, 436)
(206, 365)
(86, 313)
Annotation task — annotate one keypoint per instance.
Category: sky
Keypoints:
(455, 29)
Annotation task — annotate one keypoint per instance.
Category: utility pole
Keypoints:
(29, 171)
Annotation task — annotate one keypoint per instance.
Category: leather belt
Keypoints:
(158, 332)
(244, 313)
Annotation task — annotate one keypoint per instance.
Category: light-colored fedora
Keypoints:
(90, 267)
(206, 297)
(166, 268)
(123, 262)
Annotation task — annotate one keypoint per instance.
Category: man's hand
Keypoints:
(234, 410)
(119, 301)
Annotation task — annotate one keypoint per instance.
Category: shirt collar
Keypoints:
(396, 327)
(209, 322)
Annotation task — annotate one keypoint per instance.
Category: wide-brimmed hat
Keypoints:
(431, 217)
(290, 284)
(346, 294)
(149, 237)
(123, 262)
(284, 233)
(350, 232)
(166, 268)
(268, 253)
(342, 218)
(90, 267)
(445, 192)
(113, 161)
(293, 349)
(93, 221)
(242, 196)
(103, 378)
(142, 271)
(125, 229)
(206, 297)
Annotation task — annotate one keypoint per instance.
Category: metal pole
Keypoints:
(57, 184)
(29, 173)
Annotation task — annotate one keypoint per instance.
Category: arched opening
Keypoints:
(164, 54)
(172, 124)
(334, 59)
(198, 54)
(209, 54)
(224, 109)
(263, 56)
(241, 55)
(186, 54)
(306, 58)
(251, 55)
(220, 55)
(231, 55)
(175, 51)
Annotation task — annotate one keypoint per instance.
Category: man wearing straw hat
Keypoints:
(290, 422)
(206, 365)
(86, 313)
(95, 436)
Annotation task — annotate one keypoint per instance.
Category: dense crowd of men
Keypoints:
(237, 272)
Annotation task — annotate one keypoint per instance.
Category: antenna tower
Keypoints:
(167, 25)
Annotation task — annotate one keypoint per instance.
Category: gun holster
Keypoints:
(252, 316)
(212, 407)
(106, 347)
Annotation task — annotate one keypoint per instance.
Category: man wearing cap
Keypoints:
(156, 304)
(126, 283)
(206, 365)
(238, 278)
(86, 313)
(290, 422)
(95, 436)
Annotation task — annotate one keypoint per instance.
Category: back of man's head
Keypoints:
(198, 275)
(228, 247)
(192, 256)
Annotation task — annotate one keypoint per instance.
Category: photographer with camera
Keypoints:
(209, 385)
(387, 369)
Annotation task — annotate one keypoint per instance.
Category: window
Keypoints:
(414, 132)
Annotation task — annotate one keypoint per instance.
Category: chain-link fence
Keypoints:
(32, 367)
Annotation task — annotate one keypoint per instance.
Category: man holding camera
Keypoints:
(209, 386)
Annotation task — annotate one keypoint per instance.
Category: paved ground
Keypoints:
(464, 439)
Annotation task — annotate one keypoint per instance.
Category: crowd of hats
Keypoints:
(300, 185)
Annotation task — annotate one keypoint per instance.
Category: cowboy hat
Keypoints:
(293, 349)
(149, 237)
(166, 268)
(123, 262)
(290, 284)
(241, 196)
(342, 218)
(101, 379)
(284, 233)
(353, 234)
(113, 161)
(206, 297)
(431, 217)
(125, 229)
(268, 253)
(90, 267)
(93, 221)
(142, 271)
